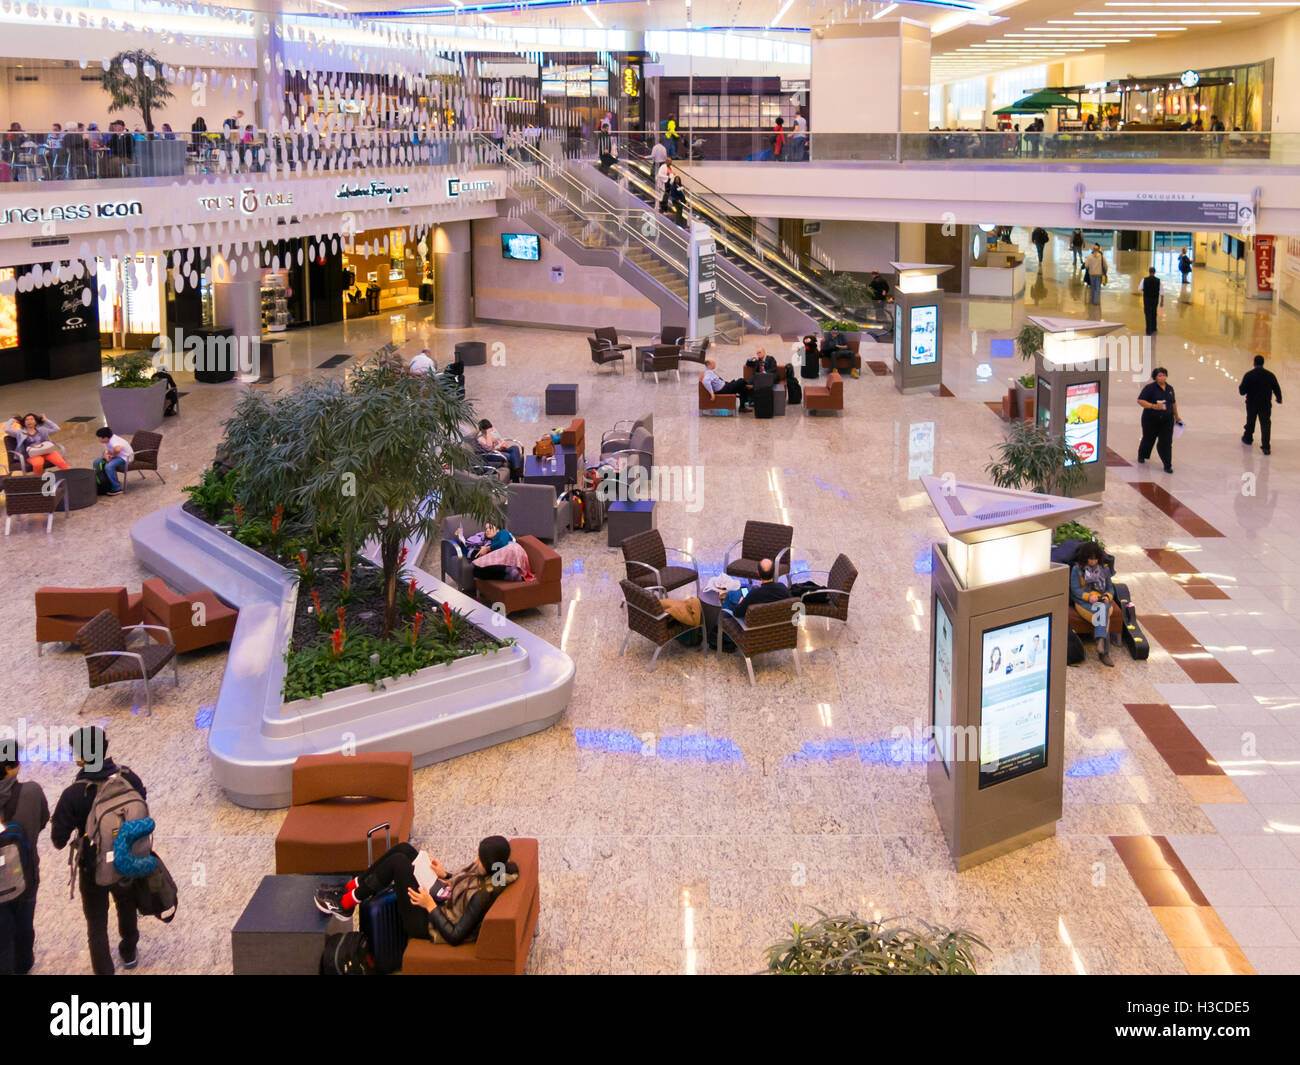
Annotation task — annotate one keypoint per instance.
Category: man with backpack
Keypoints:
(23, 816)
(93, 807)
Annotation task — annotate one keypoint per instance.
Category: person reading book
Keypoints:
(433, 904)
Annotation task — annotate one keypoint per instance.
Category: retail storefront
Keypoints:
(47, 331)
(386, 268)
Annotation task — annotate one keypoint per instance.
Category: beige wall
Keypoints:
(896, 52)
(858, 246)
(61, 96)
(588, 297)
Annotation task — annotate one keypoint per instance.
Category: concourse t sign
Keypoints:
(703, 290)
(1212, 210)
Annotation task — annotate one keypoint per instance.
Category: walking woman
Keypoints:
(1159, 416)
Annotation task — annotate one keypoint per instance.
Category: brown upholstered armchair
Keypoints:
(505, 936)
(646, 559)
(844, 359)
(26, 495)
(765, 627)
(602, 354)
(336, 799)
(724, 403)
(546, 586)
(145, 446)
(61, 612)
(110, 661)
(176, 614)
(647, 618)
(834, 601)
(762, 539)
(829, 396)
(662, 358)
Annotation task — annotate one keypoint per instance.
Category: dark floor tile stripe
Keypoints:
(1114, 458)
(1198, 663)
(1192, 580)
(1191, 522)
(1177, 744)
(880, 369)
(332, 361)
(945, 392)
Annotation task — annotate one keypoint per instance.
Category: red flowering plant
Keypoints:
(453, 622)
(324, 621)
(413, 633)
(337, 642)
(306, 575)
(346, 594)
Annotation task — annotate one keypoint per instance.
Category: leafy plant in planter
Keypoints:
(129, 370)
(850, 946)
(214, 494)
(843, 326)
(1031, 457)
(1029, 380)
(1075, 530)
(851, 291)
(1029, 340)
(135, 79)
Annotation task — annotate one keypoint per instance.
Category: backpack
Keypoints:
(345, 954)
(103, 486)
(17, 872)
(155, 894)
(116, 802)
(793, 389)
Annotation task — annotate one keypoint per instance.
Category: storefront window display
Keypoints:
(131, 305)
(383, 269)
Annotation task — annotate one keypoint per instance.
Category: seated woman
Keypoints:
(494, 448)
(434, 904)
(1093, 595)
(477, 549)
(31, 433)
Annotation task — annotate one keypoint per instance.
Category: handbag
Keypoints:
(544, 448)
(44, 448)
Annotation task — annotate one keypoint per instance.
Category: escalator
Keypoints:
(799, 278)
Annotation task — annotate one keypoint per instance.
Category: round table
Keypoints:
(710, 608)
(81, 488)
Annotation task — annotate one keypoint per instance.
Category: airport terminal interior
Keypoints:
(581, 222)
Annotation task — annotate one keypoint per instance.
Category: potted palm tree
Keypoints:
(1031, 457)
(850, 946)
(136, 80)
(132, 400)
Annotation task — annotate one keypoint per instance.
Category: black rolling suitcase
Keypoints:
(593, 510)
(793, 389)
(764, 402)
(811, 366)
(381, 923)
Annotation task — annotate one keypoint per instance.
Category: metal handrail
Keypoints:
(614, 221)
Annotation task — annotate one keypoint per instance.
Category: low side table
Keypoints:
(545, 471)
(280, 932)
(562, 399)
(628, 519)
(778, 401)
(81, 489)
(471, 353)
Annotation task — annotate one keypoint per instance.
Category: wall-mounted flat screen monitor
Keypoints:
(1014, 690)
(526, 247)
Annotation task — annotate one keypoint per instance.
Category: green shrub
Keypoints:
(850, 946)
(1029, 340)
(1029, 380)
(1031, 457)
(1075, 530)
(214, 494)
(254, 532)
(831, 325)
(129, 370)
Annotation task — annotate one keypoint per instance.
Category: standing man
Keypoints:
(1039, 237)
(1096, 267)
(1185, 265)
(1259, 386)
(24, 805)
(1150, 298)
(1159, 416)
(658, 156)
(90, 751)
(778, 139)
(1076, 248)
(799, 142)
(670, 136)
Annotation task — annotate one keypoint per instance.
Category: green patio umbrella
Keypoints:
(1037, 103)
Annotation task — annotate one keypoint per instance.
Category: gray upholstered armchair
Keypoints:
(456, 569)
(534, 511)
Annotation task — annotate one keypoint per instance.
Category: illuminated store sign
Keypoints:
(375, 190)
(249, 201)
(455, 186)
(70, 212)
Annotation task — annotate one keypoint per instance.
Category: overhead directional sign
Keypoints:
(1211, 209)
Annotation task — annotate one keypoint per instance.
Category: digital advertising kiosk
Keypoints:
(999, 624)
(918, 326)
(1074, 390)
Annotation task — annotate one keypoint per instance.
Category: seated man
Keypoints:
(423, 363)
(117, 457)
(433, 904)
(715, 384)
(1093, 595)
(762, 362)
(833, 341)
(769, 590)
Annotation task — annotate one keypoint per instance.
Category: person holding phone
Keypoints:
(1159, 416)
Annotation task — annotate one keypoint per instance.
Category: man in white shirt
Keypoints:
(658, 156)
(117, 456)
(718, 387)
(423, 363)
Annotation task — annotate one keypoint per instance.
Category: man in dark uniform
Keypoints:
(1159, 416)
(1150, 298)
(1259, 386)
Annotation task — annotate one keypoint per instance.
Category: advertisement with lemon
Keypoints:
(1083, 418)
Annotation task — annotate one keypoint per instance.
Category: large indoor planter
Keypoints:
(128, 410)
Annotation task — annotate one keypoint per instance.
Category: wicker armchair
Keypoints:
(647, 618)
(646, 559)
(762, 539)
(766, 627)
(145, 445)
(602, 353)
(26, 495)
(835, 599)
(109, 661)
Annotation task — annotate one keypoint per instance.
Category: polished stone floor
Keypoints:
(687, 818)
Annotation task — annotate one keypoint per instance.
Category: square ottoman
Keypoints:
(628, 519)
(280, 931)
(471, 353)
(561, 399)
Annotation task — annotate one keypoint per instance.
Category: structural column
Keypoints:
(452, 276)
